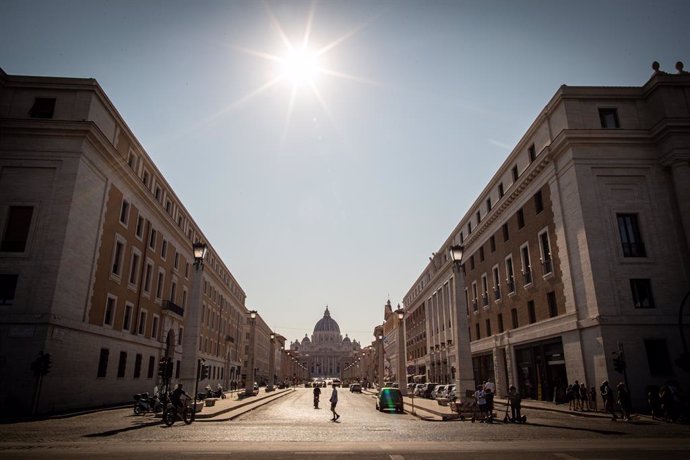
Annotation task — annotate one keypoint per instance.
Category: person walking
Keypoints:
(317, 393)
(514, 401)
(607, 397)
(334, 402)
(624, 401)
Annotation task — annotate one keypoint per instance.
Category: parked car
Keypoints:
(356, 388)
(438, 391)
(449, 392)
(419, 389)
(390, 399)
(336, 382)
(410, 388)
(428, 388)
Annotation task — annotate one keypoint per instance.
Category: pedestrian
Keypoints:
(480, 397)
(624, 400)
(489, 391)
(570, 396)
(514, 401)
(584, 399)
(593, 399)
(576, 395)
(317, 393)
(607, 397)
(334, 402)
(654, 401)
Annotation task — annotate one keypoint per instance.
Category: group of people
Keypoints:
(333, 400)
(484, 398)
(581, 398)
(621, 399)
(665, 401)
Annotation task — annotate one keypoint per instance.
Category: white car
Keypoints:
(438, 391)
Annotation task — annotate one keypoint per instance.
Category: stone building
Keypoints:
(326, 353)
(576, 250)
(96, 262)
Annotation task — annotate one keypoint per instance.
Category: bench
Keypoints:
(210, 402)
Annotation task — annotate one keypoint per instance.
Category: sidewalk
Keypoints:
(431, 410)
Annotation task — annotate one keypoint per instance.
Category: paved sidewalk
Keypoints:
(430, 409)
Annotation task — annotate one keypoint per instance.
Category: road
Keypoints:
(291, 428)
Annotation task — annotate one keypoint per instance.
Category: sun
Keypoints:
(300, 66)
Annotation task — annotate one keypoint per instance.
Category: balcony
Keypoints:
(173, 307)
(497, 293)
(547, 266)
(510, 282)
(527, 276)
(485, 299)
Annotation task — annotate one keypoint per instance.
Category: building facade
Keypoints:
(96, 262)
(576, 251)
(325, 354)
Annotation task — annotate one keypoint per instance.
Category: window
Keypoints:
(506, 234)
(16, 232)
(497, 282)
(492, 243)
(472, 262)
(179, 337)
(110, 305)
(631, 239)
(469, 227)
(657, 357)
(526, 265)
(500, 322)
(609, 118)
(177, 369)
(8, 287)
(501, 192)
(158, 193)
(531, 312)
(474, 296)
(140, 227)
(122, 365)
(551, 301)
(485, 291)
(154, 327)
(152, 240)
(538, 202)
(44, 107)
(462, 237)
(184, 297)
(521, 217)
(177, 260)
(488, 205)
(510, 275)
(132, 160)
(477, 332)
(488, 328)
(545, 249)
(134, 269)
(147, 277)
(642, 293)
(532, 152)
(142, 323)
(164, 248)
(118, 253)
(514, 317)
(127, 321)
(146, 179)
(481, 254)
(168, 206)
(159, 285)
(173, 292)
(124, 212)
(152, 363)
(479, 217)
(137, 366)
(515, 173)
(103, 363)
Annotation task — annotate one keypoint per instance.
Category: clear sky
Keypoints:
(333, 181)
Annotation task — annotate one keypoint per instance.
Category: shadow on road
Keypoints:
(138, 426)
(572, 428)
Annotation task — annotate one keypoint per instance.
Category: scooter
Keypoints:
(144, 403)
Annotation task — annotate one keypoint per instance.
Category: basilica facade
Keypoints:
(327, 353)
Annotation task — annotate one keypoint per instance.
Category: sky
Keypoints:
(330, 173)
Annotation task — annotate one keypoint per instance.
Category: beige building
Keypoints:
(576, 249)
(96, 262)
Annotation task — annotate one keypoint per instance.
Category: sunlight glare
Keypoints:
(301, 67)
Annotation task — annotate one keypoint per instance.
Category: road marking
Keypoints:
(397, 457)
(566, 456)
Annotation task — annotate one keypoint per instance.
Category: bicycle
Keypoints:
(172, 413)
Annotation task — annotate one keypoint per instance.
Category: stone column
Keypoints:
(464, 377)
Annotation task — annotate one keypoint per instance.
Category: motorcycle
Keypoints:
(144, 403)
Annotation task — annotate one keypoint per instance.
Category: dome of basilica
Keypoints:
(326, 324)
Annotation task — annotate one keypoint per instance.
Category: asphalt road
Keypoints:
(291, 428)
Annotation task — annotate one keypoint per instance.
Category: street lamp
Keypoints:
(464, 376)
(199, 249)
(402, 363)
(380, 343)
(249, 387)
(271, 364)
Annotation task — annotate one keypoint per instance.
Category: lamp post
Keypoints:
(464, 376)
(192, 331)
(271, 364)
(379, 337)
(402, 367)
(249, 387)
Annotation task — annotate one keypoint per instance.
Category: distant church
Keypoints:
(327, 350)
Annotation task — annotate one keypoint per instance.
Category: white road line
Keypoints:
(397, 457)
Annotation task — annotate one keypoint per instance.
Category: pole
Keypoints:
(464, 376)
(196, 385)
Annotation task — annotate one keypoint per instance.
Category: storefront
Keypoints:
(483, 366)
(541, 370)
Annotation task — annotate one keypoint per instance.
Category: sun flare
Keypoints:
(300, 66)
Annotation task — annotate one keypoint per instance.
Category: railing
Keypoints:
(547, 266)
(510, 282)
(527, 275)
(173, 307)
(634, 250)
(497, 292)
(485, 299)
(474, 304)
